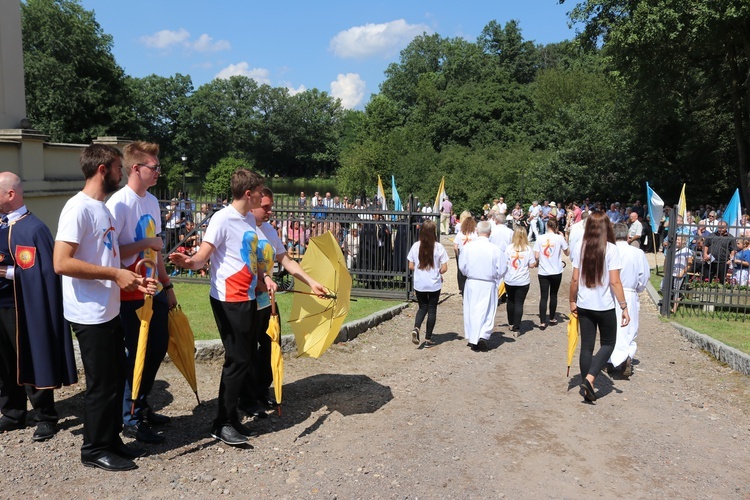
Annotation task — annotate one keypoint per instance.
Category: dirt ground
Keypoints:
(378, 417)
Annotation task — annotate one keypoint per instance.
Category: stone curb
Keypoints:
(736, 360)
(206, 350)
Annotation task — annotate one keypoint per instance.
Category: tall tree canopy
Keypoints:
(75, 91)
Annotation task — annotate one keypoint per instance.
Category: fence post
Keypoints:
(667, 283)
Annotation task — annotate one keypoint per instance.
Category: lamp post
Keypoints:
(184, 166)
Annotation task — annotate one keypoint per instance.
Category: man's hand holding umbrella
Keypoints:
(130, 281)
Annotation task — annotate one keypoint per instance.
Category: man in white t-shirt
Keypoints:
(137, 221)
(535, 213)
(635, 231)
(270, 250)
(87, 256)
(231, 242)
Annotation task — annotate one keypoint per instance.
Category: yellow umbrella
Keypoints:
(277, 361)
(181, 347)
(501, 289)
(316, 321)
(572, 339)
(144, 313)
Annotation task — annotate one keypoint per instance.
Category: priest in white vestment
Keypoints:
(634, 275)
(484, 266)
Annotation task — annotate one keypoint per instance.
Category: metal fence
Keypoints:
(715, 286)
(374, 242)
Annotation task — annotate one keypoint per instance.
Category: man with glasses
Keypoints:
(137, 222)
(717, 252)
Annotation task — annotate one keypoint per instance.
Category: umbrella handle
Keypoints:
(273, 302)
(146, 262)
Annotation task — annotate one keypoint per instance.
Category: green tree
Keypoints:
(218, 178)
(75, 91)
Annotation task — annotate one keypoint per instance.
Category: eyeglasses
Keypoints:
(155, 168)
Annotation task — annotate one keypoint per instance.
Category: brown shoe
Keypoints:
(627, 369)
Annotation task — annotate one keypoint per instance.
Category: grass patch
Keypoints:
(732, 332)
(193, 298)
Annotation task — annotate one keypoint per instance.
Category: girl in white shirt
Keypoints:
(466, 233)
(429, 261)
(596, 265)
(520, 258)
(548, 251)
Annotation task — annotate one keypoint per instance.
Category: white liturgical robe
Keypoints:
(484, 266)
(634, 276)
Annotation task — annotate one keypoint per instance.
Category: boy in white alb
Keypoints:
(87, 257)
(231, 242)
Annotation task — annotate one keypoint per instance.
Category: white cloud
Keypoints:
(260, 75)
(375, 39)
(350, 88)
(207, 44)
(165, 38)
(292, 90)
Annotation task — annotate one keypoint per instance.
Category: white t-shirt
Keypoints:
(518, 266)
(428, 280)
(269, 247)
(681, 257)
(234, 262)
(462, 239)
(136, 218)
(88, 223)
(550, 247)
(599, 298)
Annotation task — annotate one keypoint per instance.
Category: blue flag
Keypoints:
(394, 193)
(733, 213)
(655, 208)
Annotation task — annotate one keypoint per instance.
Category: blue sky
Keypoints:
(341, 47)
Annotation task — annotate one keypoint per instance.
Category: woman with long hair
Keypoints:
(466, 233)
(429, 261)
(594, 287)
(548, 251)
(520, 258)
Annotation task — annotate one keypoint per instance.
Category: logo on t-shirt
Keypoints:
(146, 228)
(249, 253)
(109, 238)
(548, 246)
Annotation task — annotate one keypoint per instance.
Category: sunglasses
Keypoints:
(155, 168)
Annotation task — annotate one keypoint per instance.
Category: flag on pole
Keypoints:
(682, 204)
(733, 213)
(381, 196)
(439, 198)
(394, 193)
(655, 208)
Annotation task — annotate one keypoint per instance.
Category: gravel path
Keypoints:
(378, 417)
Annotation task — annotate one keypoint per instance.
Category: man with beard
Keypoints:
(87, 256)
(36, 348)
(137, 221)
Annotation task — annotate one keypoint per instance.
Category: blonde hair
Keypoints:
(520, 240)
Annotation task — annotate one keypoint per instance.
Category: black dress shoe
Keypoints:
(44, 431)
(129, 452)
(155, 418)
(7, 424)
(244, 430)
(143, 433)
(110, 462)
(229, 435)
(267, 403)
(482, 345)
(254, 410)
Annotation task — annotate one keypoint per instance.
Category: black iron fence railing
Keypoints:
(706, 271)
(374, 242)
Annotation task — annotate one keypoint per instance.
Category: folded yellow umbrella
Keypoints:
(144, 313)
(277, 360)
(181, 347)
(501, 289)
(572, 339)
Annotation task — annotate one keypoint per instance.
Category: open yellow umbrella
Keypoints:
(572, 339)
(144, 313)
(277, 361)
(316, 321)
(181, 347)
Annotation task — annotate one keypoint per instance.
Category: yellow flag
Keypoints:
(682, 204)
(440, 195)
